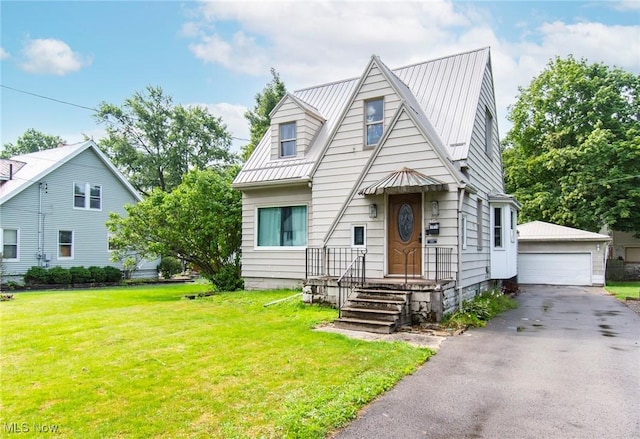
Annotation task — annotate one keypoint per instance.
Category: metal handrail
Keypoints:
(360, 275)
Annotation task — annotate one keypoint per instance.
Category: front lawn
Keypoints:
(622, 290)
(142, 362)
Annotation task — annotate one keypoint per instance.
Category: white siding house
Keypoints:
(395, 174)
(54, 205)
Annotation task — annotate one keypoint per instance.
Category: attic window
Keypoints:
(373, 121)
(288, 139)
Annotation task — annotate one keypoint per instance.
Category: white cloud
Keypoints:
(626, 5)
(51, 56)
(311, 43)
(233, 116)
(4, 54)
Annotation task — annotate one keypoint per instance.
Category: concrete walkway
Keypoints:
(565, 364)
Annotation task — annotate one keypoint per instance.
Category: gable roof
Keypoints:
(443, 94)
(39, 164)
(542, 231)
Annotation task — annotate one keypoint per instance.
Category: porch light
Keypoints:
(373, 210)
(435, 208)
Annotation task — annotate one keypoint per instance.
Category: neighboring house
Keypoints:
(626, 254)
(392, 180)
(558, 255)
(54, 205)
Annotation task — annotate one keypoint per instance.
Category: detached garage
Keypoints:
(556, 255)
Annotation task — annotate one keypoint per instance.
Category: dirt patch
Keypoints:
(634, 305)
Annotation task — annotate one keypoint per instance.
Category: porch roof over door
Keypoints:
(402, 181)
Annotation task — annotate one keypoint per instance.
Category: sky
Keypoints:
(219, 54)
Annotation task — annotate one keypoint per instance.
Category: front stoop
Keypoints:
(376, 310)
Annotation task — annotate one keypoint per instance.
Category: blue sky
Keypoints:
(219, 54)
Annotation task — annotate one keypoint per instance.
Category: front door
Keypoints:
(404, 247)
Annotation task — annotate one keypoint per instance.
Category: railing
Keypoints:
(353, 276)
(438, 263)
(329, 261)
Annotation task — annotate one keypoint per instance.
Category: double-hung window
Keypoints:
(65, 244)
(373, 121)
(288, 139)
(87, 196)
(10, 244)
(282, 226)
(497, 227)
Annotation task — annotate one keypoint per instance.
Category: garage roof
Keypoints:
(542, 231)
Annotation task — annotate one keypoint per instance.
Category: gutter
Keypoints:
(265, 184)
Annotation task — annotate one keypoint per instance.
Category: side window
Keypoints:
(87, 196)
(480, 217)
(288, 139)
(358, 236)
(373, 121)
(65, 244)
(497, 227)
(10, 239)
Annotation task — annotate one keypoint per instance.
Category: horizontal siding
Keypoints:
(274, 264)
(90, 232)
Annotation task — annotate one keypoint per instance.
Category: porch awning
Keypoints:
(404, 181)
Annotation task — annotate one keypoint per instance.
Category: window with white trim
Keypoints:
(288, 139)
(282, 226)
(65, 244)
(464, 232)
(87, 196)
(373, 121)
(10, 242)
(358, 236)
(497, 227)
(513, 225)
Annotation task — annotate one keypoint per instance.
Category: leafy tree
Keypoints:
(573, 154)
(31, 141)
(258, 118)
(154, 142)
(199, 222)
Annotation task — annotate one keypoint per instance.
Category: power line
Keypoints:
(60, 101)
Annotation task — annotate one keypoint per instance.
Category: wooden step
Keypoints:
(365, 325)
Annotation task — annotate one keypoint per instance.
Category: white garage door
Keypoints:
(554, 268)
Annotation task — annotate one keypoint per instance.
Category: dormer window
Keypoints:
(288, 139)
(373, 121)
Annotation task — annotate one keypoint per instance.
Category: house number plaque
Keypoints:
(405, 222)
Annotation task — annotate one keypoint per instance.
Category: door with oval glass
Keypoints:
(404, 234)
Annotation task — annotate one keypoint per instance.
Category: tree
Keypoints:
(259, 119)
(573, 154)
(154, 142)
(198, 222)
(31, 141)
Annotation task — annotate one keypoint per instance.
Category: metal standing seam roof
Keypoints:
(39, 164)
(402, 181)
(543, 231)
(443, 92)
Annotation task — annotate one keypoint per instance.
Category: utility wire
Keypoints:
(75, 105)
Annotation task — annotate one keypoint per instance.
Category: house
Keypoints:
(53, 209)
(558, 255)
(389, 182)
(625, 256)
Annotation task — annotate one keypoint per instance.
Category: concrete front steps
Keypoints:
(375, 310)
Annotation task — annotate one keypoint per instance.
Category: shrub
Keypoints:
(169, 266)
(36, 275)
(80, 275)
(97, 274)
(112, 274)
(228, 278)
(59, 275)
(478, 311)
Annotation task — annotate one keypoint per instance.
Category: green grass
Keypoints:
(622, 290)
(476, 312)
(142, 362)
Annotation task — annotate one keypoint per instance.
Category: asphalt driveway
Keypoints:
(565, 364)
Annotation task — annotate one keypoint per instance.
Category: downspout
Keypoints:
(40, 225)
(459, 261)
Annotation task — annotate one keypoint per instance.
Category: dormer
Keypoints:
(294, 126)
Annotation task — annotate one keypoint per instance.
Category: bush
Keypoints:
(112, 274)
(97, 274)
(36, 275)
(228, 278)
(169, 266)
(80, 275)
(59, 275)
(478, 311)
